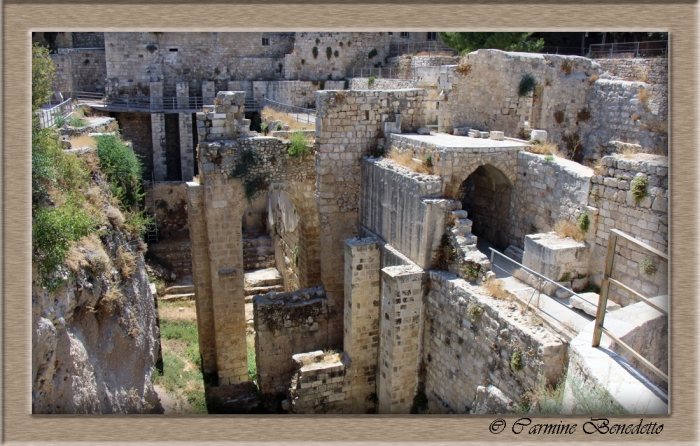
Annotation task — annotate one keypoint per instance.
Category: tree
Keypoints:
(43, 71)
(468, 42)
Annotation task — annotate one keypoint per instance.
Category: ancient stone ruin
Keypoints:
(438, 245)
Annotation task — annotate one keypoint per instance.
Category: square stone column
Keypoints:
(160, 167)
(185, 127)
(402, 299)
(208, 92)
(361, 320)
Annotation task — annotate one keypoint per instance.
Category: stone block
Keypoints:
(496, 135)
(538, 135)
(554, 256)
(588, 303)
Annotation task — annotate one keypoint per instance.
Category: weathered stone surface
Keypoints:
(588, 303)
(490, 400)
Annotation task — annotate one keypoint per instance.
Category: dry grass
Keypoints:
(405, 159)
(269, 114)
(566, 67)
(463, 68)
(88, 253)
(329, 356)
(544, 148)
(660, 128)
(565, 228)
(115, 216)
(83, 141)
(113, 299)
(112, 127)
(126, 262)
(593, 77)
(497, 288)
(644, 96)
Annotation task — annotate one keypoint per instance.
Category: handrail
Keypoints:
(603, 301)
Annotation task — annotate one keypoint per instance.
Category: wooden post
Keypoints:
(604, 289)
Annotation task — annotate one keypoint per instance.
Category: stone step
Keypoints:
(263, 240)
(255, 266)
(259, 249)
(254, 291)
(179, 289)
(263, 277)
(184, 296)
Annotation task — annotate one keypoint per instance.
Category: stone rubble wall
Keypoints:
(320, 387)
(646, 221)
(174, 254)
(348, 125)
(482, 100)
(546, 192)
(462, 352)
(296, 93)
(170, 201)
(651, 71)
(362, 83)
(394, 206)
(80, 70)
(287, 324)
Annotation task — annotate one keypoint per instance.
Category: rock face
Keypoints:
(95, 340)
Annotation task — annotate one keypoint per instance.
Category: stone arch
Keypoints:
(486, 194)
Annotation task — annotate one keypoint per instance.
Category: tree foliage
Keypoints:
(468, 42)
(43, 71)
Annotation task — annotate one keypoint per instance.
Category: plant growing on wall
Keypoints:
(639, 188)
(265, 127)
(527, 84)
(151, 48)
(318, 41)
(296, 255)
(329, 52)
(314, 51)
(253, 183)
(474, 310)
(516, 360)
(371, 80)
(584, 222)
(647, 267)
(372, 53)
(336, 53)
(298, 144)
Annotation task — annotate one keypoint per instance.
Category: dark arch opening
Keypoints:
(486, 195)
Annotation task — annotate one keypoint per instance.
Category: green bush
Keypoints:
(584, 222)
(329, 52)
(314, 51)
(527, 84)
(371, 80)
(122, 168)
(298, 144)
(639, 188)
(516, 360)
(264, 127)
(372, 53)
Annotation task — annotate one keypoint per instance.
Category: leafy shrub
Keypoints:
(371, 80)
(474, 310)
(297, 145)
(372, 53)
(647, 267)
(639, 188)
(527, 84)
(314, 51)
(516, 360)
(428, 161)
(329, 52)
(122, 168)
(336, 53)
(549, 158)
(584, 222)
(265, 127)
(248, 159)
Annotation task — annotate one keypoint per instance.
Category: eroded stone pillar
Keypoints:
(185, 127)
(399, 338)
(361, 321)
(160, 169)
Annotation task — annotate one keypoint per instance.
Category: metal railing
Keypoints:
(49, 116)
(608, 280)
(299, 113)
(432, 47)
(386, 73)
(654, 48)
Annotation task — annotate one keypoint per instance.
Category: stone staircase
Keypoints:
(182, 290)
(262, 281)
(258, 253)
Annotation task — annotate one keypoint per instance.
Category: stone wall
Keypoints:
(170, 201)
(396, 205)
(362, 83)
(348, 125)
(651, 71)
(287, 324)
(320, 387)
(646, 220)
(80, 70)
(547, 191)
(477, 98)
(88, 40)
(296, 93)
(140, 58)
(471, 339)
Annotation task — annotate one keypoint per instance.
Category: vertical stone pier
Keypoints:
(208, 92)
(361, 321)
(185, 127)
(160, 168)
(399, 341)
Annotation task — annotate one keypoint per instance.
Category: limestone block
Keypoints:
(554, 257)
(424, 131)
(514, 253)
(588, 303)
(538, 135)
(491, 400)
(498, 136)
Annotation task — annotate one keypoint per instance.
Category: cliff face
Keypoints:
(95, 340)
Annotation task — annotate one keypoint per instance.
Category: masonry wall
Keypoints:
(651, 71)
(546, 192)
(462, 352)
(296, 93)
(646, 220)
(170, 201)
(320, 387)
(347, 128)
(140, 58)
(395, 204)
(287, 324)
(80, 70)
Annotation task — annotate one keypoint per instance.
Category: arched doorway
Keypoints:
(486, 195)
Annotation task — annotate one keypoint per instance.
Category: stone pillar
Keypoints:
(160, 169)
(399, 339)
(230, 326)
(185, 127)
(208, 92)
(201, 275)
(112, 88)
(361, 321)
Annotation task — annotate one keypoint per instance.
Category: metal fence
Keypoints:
(49, 116)
(386, 73)
(299, 113)
(637, 269)
(431, 47)
(655, 48)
